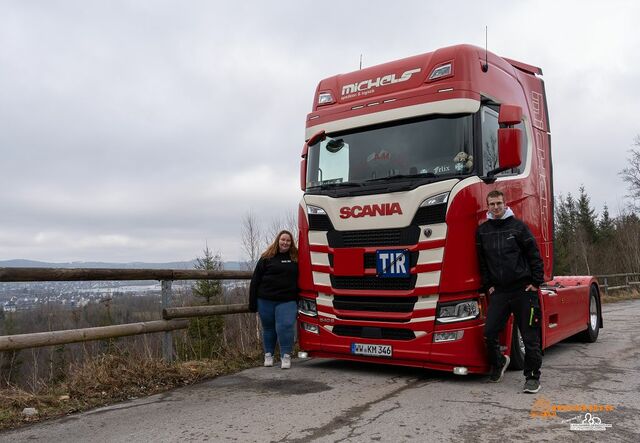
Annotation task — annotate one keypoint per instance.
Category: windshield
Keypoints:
(434, 147)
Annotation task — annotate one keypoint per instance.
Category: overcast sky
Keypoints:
(139, 130)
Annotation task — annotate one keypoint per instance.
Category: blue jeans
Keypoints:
(278, 320)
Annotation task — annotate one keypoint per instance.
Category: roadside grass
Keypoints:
(108, 379)
(620, 295)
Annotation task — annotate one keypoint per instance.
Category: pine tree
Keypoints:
(564, 232)
(207, 333)
(586, 216)
(606, 226)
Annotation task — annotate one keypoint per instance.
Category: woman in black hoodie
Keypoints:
(273, 294)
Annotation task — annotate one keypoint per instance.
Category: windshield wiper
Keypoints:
(337, 185)
(392, 177)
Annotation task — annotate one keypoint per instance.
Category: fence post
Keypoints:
(606, 286)
(167, 337)
(626, 281)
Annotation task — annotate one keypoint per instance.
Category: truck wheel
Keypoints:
(517, 349)
(590, 335)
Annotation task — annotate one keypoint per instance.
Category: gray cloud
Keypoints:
(139, 130)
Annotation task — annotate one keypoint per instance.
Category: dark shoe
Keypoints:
(531, 386)
(498, 373)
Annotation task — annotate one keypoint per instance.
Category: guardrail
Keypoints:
(622, 281)
(173, 317)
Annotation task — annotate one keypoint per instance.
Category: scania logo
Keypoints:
(370, 210)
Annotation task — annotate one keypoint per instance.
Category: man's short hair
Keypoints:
(495, 194)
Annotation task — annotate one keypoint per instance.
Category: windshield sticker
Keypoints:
(332, 181)
(441, 169)
(382, 155)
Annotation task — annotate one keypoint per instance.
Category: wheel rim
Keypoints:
(593, 313)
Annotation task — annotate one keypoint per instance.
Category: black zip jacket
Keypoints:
(508, 255)
(274, 278)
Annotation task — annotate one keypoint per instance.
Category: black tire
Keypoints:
(590, 335)
(517, 349)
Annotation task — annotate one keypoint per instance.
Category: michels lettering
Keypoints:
(370, 210)
(384, 80)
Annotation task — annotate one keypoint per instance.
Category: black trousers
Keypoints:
(518, 302)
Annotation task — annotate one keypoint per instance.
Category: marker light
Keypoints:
(440, 71)
(460, 370)
(325, 98)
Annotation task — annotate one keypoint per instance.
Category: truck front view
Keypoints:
(397, 162)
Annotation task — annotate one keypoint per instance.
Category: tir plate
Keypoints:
(392, 263)
(371, 350)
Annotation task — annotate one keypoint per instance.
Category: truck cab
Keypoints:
(395, 170)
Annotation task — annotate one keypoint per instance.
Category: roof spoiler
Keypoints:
(529, 69)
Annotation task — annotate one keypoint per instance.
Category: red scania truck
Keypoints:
(395, 170)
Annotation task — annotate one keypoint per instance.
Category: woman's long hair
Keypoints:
(274, 247)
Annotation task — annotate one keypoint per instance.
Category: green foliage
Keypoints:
(206, 333)
(586, 217)
(590, 244)
(10, 361)
(606, 226)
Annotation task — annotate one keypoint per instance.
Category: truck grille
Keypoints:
(373, 283)
(430, 215)
(370, 332)
(376, 304)
(374, 237)
(319, 222)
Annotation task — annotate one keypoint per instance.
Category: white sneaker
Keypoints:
(268, 359)
(285, 362)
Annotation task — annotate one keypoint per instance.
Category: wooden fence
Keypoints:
(612, 282)
(173, 317)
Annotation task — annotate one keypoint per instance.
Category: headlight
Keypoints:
(307, 306)
(458, 311)
(435, 200)
(315, 210)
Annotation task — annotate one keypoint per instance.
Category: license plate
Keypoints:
(371, 350)
(392, 263)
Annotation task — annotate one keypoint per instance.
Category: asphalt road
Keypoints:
(328, 401)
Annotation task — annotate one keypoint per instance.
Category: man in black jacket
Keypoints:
(511, 271)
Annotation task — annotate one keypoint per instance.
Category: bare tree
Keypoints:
(631, 174)
(251, 247)
(286, 221)
(251, 239)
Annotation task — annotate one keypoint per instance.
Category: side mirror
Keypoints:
(315, 138)
(509, 143)
(509, 140)
(303, 169)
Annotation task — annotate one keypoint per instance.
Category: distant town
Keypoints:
(23, 296)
